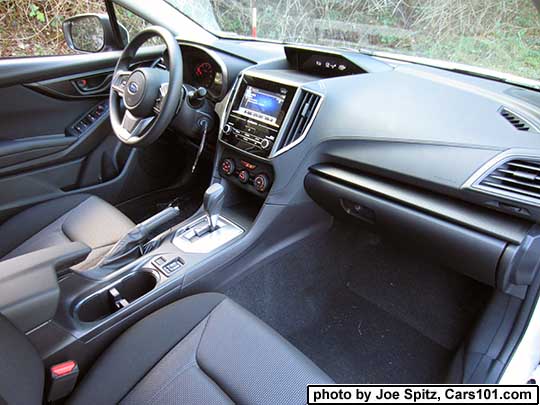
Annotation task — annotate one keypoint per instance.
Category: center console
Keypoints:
(268, 113)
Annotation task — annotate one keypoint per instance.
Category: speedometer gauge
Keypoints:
(205, 74)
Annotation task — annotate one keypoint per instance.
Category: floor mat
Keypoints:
(362, 310)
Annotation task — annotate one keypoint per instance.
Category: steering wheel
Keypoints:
(151, 95)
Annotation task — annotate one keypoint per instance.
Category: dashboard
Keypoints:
(448, 161)
(408, 123)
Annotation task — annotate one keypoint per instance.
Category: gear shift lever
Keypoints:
(213, 203)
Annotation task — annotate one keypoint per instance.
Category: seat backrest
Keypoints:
(21, 368)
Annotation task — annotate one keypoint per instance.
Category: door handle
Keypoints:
(92, 85)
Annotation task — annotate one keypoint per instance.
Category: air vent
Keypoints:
(300, 121)
(517, 179)
(518, 122)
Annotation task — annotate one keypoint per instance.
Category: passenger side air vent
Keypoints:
(300, 121)
(516, 179)
(518, 122)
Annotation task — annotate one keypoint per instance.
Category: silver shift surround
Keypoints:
(226, 232)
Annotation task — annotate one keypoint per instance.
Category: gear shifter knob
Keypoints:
(213, 203)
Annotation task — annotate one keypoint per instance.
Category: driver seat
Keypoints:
(75, 218)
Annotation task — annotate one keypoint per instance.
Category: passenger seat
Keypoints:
(204, 349)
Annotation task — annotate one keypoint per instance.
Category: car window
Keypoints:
(34, 28)
(133, 23)
(500, 35)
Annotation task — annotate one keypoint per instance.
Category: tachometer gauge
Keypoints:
(205, 74)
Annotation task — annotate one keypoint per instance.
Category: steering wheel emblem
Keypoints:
(133, 87)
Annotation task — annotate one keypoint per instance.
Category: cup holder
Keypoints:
(116, 296)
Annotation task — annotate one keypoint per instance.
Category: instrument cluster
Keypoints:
(202, 68)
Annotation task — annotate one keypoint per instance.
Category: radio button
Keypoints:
(265, 143)
(226, 129)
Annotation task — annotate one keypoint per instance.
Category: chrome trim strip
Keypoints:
(224, 234)
(308, 126)
(473, 183)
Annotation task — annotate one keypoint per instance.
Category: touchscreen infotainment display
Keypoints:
(262, 105)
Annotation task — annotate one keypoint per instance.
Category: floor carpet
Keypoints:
(362, 309)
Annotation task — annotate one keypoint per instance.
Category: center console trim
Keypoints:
(80, 303)
(184, 246)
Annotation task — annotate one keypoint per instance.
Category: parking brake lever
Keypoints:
(129, 247)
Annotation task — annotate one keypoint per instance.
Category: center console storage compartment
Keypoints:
(115, 296)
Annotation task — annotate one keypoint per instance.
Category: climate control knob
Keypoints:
(261, 183)
(243, 176)
(228, 166)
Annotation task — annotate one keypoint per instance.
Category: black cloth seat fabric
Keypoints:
(75, 218)
(204, 349)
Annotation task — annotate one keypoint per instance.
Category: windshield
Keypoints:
(499, 35)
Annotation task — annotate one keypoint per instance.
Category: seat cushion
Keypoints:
(200, 350)
(76, 218)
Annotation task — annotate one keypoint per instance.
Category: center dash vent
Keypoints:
(518, 122)
(300, 121)
(516, 179)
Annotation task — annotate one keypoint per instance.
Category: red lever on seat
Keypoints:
(62, 369)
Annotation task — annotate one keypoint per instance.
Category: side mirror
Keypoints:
(92, 33)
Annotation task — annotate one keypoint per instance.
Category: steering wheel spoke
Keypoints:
(163, 90)
(133, 126)
(119, 82)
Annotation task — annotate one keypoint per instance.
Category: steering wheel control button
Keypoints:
(243, 176)
(261, 183)
(228, 167)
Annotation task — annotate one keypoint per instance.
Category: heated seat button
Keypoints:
(243, 176)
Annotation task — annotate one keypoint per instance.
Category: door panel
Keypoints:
(25, 113)
(55, 134)
(31, 70)
(25, 149)
(78, 86)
